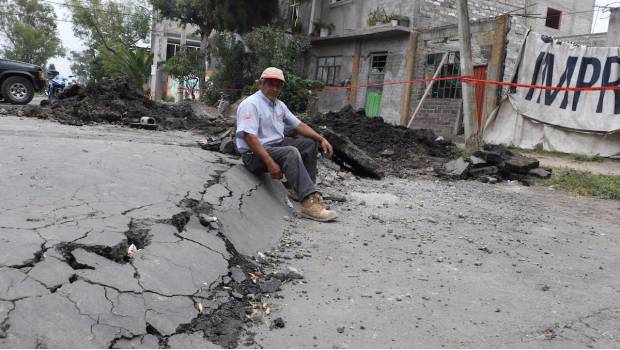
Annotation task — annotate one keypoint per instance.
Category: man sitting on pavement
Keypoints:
(262, 121)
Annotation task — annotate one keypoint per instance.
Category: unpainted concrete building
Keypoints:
(167, 37)
(357, 50)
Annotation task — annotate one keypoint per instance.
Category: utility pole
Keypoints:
(472, 141)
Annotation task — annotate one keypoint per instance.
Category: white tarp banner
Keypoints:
(583, 122)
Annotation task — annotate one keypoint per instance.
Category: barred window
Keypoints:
(452, 68)
(328, 69)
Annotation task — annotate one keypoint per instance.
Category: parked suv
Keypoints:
(19, 81)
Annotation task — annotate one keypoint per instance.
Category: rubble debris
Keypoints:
(539, 172)
(413, 148)
(492, 164)
(132, 250)
(278, 323)
(237, 274)
(117, 101)
(270, 285)
(352, 155)
(457, 168)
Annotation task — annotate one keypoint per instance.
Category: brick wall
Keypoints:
(439, 115)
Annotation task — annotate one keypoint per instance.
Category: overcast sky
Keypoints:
(72, 43)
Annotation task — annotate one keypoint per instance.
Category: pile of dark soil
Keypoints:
(399, 150)
(117, 101)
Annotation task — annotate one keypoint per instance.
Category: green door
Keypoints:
(373, 104)
(376, 75)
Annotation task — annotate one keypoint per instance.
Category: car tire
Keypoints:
(17, 90)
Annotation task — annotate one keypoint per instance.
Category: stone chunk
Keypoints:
(540, 172)
(477, 162)
(493, 158)
(521, 164)
(487, 170)
(237, 274)
(270, 285)
(457, 168)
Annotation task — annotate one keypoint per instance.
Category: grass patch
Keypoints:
(584, 183)
(456, 152)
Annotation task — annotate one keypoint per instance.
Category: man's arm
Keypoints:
(272, 167)
(304, 130)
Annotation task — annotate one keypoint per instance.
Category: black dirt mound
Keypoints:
(399, 149)
(117, 101)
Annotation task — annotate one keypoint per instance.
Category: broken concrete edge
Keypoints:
(493, 164)
(138, 234)
(345, 150)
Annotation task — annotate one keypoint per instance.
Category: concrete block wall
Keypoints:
(439, 114)
(593, 40)
(396, 70)
(433, 13)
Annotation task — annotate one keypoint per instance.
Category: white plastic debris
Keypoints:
(132, 250)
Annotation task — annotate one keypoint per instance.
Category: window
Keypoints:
(174, 46)
(553, 18)
(376, 73)
(452, 68)
(328, 69)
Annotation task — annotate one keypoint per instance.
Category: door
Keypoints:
(376, 75)
(480, 72)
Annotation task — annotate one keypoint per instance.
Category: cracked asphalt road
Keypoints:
(422, 263)
(74, 199)
(410, 263)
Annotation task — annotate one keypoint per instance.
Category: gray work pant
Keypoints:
(296, 157)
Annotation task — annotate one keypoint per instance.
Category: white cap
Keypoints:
(273, 73)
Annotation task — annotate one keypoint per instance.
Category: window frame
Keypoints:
(324, 70)
(445, 88)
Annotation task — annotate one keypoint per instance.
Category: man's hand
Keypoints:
(327, 147)
(274, 170)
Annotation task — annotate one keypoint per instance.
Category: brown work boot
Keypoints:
(313, 208)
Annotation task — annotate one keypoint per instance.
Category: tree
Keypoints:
(30, 31)
(222, 15)
(87, 66)
(272, 47)
(107, 25)
(135, 64)
(113, 32)
(186, 65)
